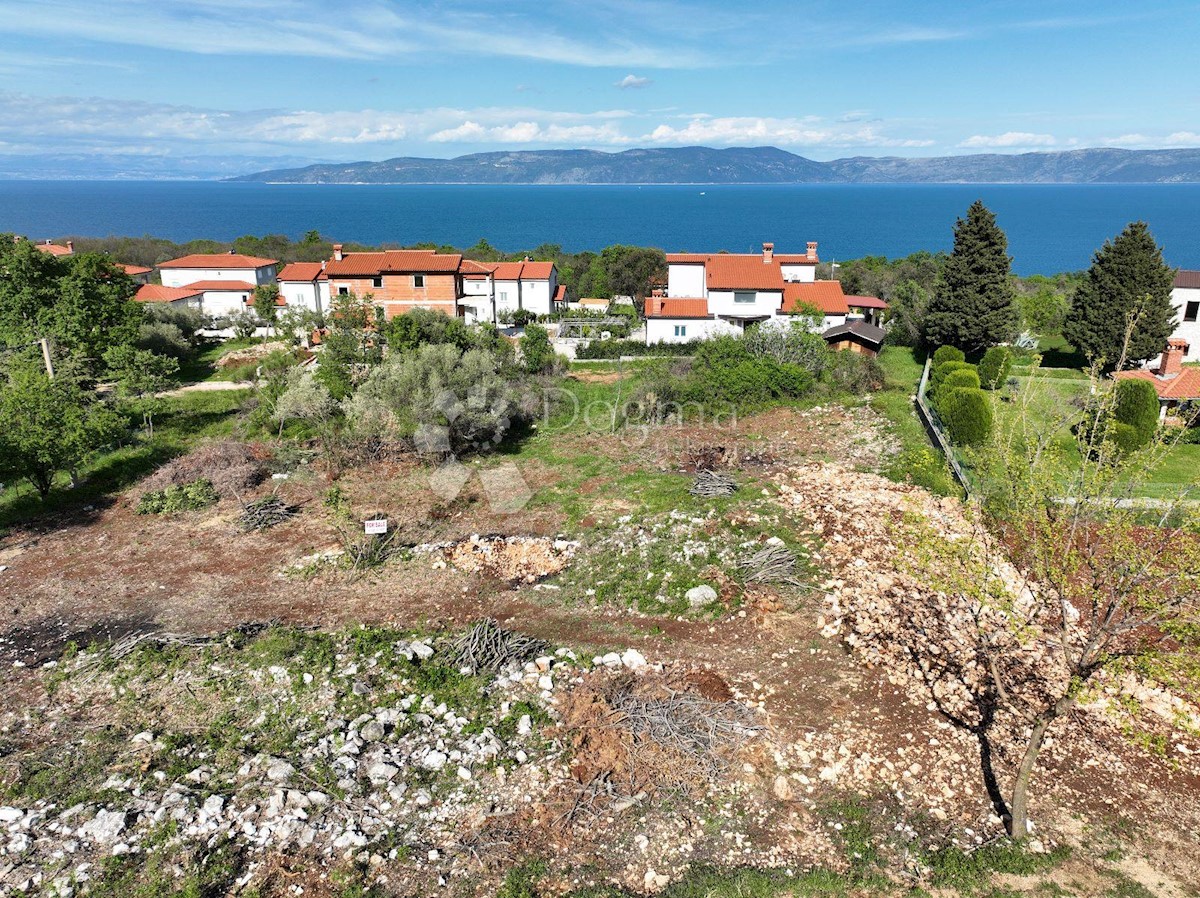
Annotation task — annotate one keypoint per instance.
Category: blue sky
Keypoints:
(315, 80)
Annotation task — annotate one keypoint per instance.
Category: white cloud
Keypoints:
(809, 131)
(1009, 139)
(1146, 141)
(633, 81)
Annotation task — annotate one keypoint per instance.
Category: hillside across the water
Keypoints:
(752, 165)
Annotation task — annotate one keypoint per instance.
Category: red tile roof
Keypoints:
(232, 286)
(507, 271)
(401, 261)
(132, 270)
(795, 259)
(826, 296)
(1184, 385)
(218, 260)
(560, 295)
(1187, 279)
(686, 258)
(676, 307)
(302, 271)
(54, 249)
(730, 272)
(866, 302)
(159, 293)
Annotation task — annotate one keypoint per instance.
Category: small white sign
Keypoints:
(379, 526)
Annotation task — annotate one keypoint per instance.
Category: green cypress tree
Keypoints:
(974, 305)
(1128, 281)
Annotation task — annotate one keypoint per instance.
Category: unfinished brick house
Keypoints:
(399, 280)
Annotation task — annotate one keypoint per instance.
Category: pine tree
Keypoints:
(974, 305)
(1128, 280)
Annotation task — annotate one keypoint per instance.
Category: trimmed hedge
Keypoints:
(994, 367)
(1135, 404)
(941, 372)
(945, 354)
(967, 415)
(613, 349)
(961, 377)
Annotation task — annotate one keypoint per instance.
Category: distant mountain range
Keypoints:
(753, 165)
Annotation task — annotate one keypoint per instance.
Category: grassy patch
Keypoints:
(969, 873)
(709, 882)
(918, 460)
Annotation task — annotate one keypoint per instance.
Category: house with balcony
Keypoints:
(724, 293)
(492, 289)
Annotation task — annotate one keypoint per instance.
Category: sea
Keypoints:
(1051, 227)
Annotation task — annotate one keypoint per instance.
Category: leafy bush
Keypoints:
(726, 372)
(439, 399)
(945, 354)
(1135, 403)
(994, 367)
(793, 345)
(243, 374)
(854, 372)
(164, 338)
(304, 398)
(1125, 437)
(187, 319)
(536, 350)
(967, 415)
(188, 497)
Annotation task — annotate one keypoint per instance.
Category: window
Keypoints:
(1191, 311)
(377, 282)
(503, 295)
(681, 330)
(743, 297)
(418, 280)
(343, 291)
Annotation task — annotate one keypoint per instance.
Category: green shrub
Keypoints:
(440, 399)
(942, 371)
(727, 372)
(960, 377)
(536, 350)
(188, 497)
(945, 354)
(1136, 403)
(994, 367)
(967, 415)
(854, 372)
(793, 345)
(1125, 437)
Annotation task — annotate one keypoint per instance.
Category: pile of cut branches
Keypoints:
(770, 564)
(489, 647)
(710, 484)
(264, 513)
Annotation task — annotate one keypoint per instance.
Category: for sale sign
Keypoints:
(377, 526)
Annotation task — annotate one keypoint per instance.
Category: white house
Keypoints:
(304, 285)
(1185, 296)
(532, 286)
(218, 267)
(724, 293)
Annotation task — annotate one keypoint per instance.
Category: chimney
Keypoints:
(1172, 358)
(337, 252)
(768, 253)
(231, 251)
(70, 247)
(812, 251)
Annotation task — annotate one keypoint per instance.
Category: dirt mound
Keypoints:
(230, 466)
(513, 559)
(250, 354)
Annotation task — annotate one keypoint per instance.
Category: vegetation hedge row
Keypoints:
(614, 349)
(945, 354)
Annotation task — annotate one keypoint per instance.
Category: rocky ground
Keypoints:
(667, 711)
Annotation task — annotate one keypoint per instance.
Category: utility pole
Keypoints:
(45, 344)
